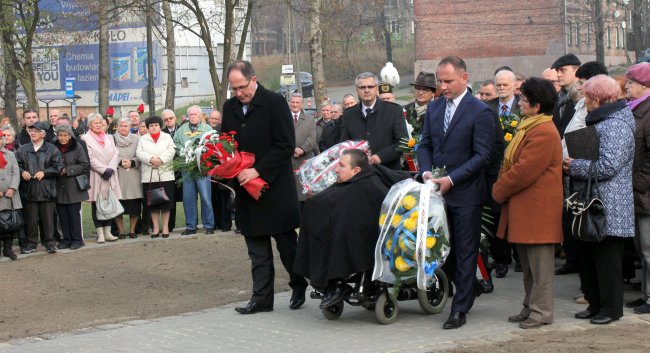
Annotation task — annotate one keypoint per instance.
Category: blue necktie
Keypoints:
(450, 104)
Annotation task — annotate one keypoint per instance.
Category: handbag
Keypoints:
(158, 195)
(82, 182)
(586, 212)
(108, 207)
(11, 220)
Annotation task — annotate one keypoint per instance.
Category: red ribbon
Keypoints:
(230, 167)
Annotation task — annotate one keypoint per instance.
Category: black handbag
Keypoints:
(586, 212)
(11, 220)
(82, 182)
(158, 195)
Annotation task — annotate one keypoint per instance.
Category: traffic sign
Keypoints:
(287, 80)
(287, 69)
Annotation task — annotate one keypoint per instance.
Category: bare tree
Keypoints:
(316, 53)
(170, 48)
(9, 70)
(104, 78)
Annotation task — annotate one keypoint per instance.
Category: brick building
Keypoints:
(525, 35)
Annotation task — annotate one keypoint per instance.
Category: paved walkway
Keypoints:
(306, 330)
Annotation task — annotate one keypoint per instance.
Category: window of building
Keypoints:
(569, 34)
(393, 26)
(577, 34)
(623, 38)
(412, 27)
(588, 35)
(609, 37)
(618, 39)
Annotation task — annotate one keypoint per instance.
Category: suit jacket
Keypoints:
(492, 171)
(465, 150)
(562, 120)
(267, 131)
(305, 137)
(383, 129)
(167, 131)
(331, 134)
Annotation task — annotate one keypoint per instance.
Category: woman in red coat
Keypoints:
(530, 189)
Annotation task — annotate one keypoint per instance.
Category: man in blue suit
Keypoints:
(458, 134)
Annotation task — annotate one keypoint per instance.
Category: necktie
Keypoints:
(368, 111)
(504, 110)
(295, 119)
(450, 105)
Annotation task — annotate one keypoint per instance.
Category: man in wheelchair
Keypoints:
(340, 226)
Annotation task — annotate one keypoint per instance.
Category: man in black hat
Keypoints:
(424, 89)
(386, 93)
(566, 67)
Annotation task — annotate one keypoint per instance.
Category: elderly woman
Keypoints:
(128, 172)
(156, 152)
(9, 198)
(530, 183)
(69, 194)
(638, 90)
(601, 263)
(103, 156)
(8, 132)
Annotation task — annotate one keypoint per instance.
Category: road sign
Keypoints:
(287, 69)
(287, 80)
(69, 87)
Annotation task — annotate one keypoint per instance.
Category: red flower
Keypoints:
(233, 132)
(208, 164)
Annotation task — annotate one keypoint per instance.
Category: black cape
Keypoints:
(340, 226)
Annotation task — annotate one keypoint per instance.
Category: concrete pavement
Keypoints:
(306, 330)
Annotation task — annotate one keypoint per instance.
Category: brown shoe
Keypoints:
(519, 317)
(531, 323)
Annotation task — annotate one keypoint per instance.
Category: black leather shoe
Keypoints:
(635, 303)
(456, 320)
(501, 270)
(297, 299)
(209, 231)
(188, 232)
(601, 320)
(586, 314)
(27, 250)
(334, 296)
(566, 269)
(252, 307)
(225, 229)
(51, 249)
(487, 286)
(643, 309)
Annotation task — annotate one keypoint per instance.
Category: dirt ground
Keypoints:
(145, 279)
(123, 281)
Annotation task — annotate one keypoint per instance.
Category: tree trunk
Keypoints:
(104, 79)
(205, 35)
(244, 32)
(171, 55)
(9, 69)
(600, 31)
(28, 79)
(316, 53)
(229, 33)
(387, 38)
(637, 28)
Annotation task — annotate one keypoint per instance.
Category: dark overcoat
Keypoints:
(76, 163)
(383, 129)
(48, 160)
(332, 244)
(267, 131)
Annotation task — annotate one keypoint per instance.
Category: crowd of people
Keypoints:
(522, 175)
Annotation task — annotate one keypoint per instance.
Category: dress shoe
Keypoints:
(456, 320)
(133, 235)
(155, 235)
(488, 286)
(334, 296)
(50, 249)
(189, 232)
(601, 320)
(566, 269)
(252, 307)
(165, 236)
(643, 309)
(121, 236)
(531, 323)
(225, 229)
(27, 250)
(9, 252)
(501, 270)
(586, 314)
(297, 299)
(522, 316)
(635, 303)
(76, 246)
(209, 231)
(63, 245)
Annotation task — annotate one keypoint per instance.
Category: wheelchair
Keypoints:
(383, 298)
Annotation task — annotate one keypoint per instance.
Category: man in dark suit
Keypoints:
(262, 121)
(378, 122)
(331, 129)
(169, 119)
(507, 102)
(458, 134)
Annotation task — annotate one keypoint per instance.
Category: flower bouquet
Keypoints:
(409, 148)
(414, 237)
(509, 123)
(318, 173)
(216, 155)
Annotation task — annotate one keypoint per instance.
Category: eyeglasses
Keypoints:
(240, 89)
(170, 118)
(366, 88)
(421, 89)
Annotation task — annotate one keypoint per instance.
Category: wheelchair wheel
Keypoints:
(386, 308)
(333, 312)
(433, 300)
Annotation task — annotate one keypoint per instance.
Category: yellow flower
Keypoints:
(431, 242)
(508, 137)
(408, 202)
(514, 123)
(402, 244)
(396, 221)
(410, 224)
(389, 244)
(382, 219)
(401, 265)
(414, 215)
(411, 142)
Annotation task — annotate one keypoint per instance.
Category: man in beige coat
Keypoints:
(305, 127)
